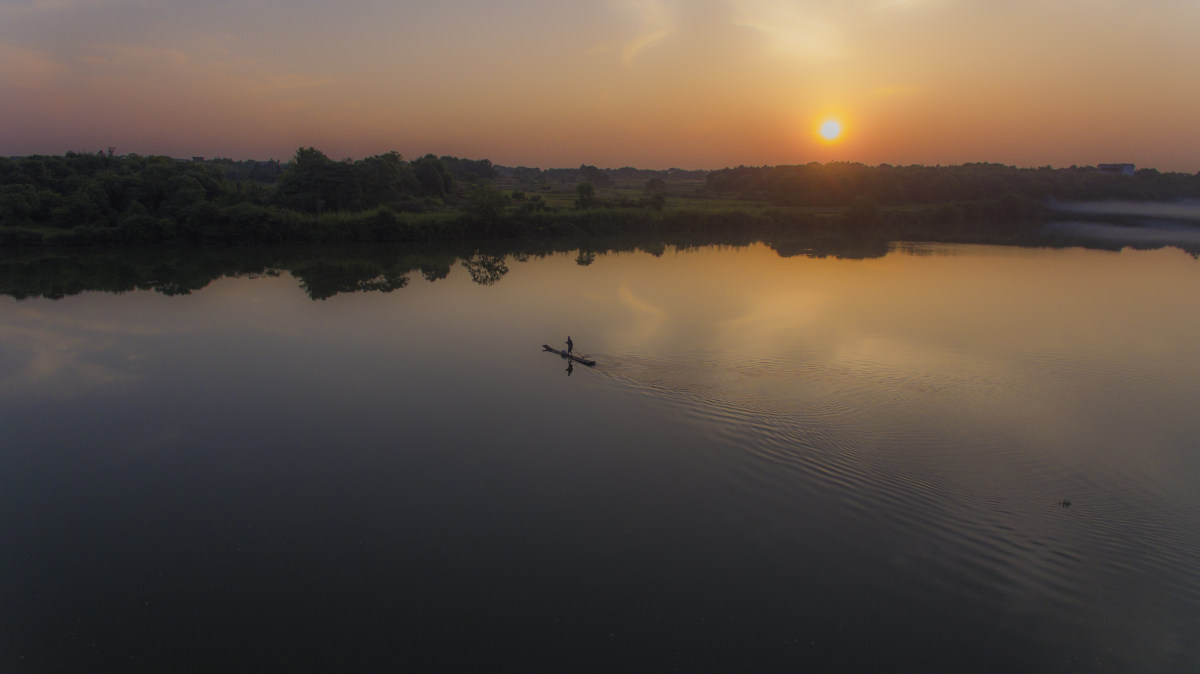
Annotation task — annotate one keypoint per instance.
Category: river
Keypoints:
(942, 458)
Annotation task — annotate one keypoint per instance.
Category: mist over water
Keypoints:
(1185, 209)
(775, 463)
(1141, 224)
(1154, 234)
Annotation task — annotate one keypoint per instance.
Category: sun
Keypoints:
(830, 129)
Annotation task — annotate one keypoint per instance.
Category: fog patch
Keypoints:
(1159, 233)
(1186, 209)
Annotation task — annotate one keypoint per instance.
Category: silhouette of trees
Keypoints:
(385, 180)
(470, 170)
(485, 205)
(322, 279)
(485, 268)
(310, 183)
(656, 193)
(434, 176)
(585, 195)
(595, 176)
(838, 183)
(101, 198)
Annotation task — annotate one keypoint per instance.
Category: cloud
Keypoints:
(909, 4)
(631, 50)
(27, 67)
(159, 99)
(213, 72)
(655, 21)
(804, 29)
(9, 10)
(791, 28)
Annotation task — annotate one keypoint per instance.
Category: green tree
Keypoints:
(434, 177)
(310, 183)
(385, 180)
(18, 204)
(485, 204)
(595, 176)
(183, 192)
(656, 193)
(86, 205)
(585, 195)
(863, 210)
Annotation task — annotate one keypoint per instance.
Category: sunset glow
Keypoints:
(648, 83)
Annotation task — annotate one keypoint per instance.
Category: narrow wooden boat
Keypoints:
(577, 359)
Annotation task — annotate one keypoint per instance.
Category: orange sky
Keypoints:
(648, 83)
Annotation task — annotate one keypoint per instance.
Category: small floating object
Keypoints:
(1065, 503)
(578, 359)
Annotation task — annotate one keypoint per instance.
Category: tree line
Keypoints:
(840, 183)
(144, 199)
(83, 199)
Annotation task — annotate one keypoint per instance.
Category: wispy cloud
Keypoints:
(792, 27)
(180, 69)
(20, 66)
(17, 9)
(909, 4)
(113, 77)
(654, 20)
(631, 50)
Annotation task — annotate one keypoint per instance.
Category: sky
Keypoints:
(699, 84)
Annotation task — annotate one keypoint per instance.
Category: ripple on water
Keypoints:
(957, 471)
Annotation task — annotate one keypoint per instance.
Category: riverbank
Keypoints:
(983, 220)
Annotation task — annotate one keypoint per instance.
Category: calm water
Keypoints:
(778, 464)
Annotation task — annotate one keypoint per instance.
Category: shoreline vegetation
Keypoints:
(326, 270)
(102, 199)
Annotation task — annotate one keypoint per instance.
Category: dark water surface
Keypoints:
(778, 464)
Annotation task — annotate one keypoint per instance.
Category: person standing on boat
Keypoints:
(570, 346)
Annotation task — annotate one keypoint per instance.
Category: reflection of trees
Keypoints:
(435, 272)
(485, 268)
(329, 270)
(849, 249)
(657, 249)
(54, 274)
(322, 280)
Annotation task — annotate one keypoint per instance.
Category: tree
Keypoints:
(863, 210)
(309, 183)
(433, 175)
(585, 195)
(18, 203)
(656, 193)
(485, 204)
(385, 180)
(594, 176)
(470, 170)
(183, 191)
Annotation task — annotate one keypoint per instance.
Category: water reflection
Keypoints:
(322, 279)
(485, 268)
(805, 459)
(328, 271)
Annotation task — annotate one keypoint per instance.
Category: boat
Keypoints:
(578, 359)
